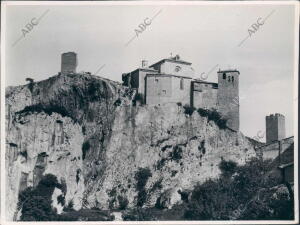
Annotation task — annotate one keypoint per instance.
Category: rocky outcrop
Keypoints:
(86, 131)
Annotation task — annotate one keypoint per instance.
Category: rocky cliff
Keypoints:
(90, 134)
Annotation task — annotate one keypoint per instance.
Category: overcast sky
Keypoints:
(205, 35)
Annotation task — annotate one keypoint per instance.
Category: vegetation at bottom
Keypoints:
(36, 204)
(241, 193)
(248, 192)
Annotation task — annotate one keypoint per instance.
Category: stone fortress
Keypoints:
(170, 80)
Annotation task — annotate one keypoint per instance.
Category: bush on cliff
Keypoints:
(142, 177)
(36, 202)
(227, 167)
(188, 110)
(213, 115)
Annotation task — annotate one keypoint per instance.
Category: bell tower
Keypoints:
(228, 97)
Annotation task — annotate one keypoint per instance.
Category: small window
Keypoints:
(224, 76)
(156, 80)
(181, 84)
(232, 79)
(164, 92)
(177, 69)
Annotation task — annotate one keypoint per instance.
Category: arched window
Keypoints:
(224, 76)
(181, 84)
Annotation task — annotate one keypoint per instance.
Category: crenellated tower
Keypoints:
(275, 127)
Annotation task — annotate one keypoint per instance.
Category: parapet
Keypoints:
(229, 71)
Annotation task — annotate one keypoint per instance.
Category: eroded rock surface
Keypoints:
(86, 131)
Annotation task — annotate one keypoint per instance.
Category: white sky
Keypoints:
(205, 35)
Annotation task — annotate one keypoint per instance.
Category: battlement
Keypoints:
(275, 127)
(275, 116)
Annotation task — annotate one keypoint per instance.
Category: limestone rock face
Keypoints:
(40, 144)
(86, 131)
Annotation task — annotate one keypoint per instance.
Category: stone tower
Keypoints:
(228, 97)
(68, 62)
(275, 127)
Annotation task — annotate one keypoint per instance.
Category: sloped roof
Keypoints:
(172, 59)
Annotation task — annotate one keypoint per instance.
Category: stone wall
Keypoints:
(273, 150)
(161, 89)
(204, 95)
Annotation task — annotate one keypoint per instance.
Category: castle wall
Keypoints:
(228, 97)
(136, 79)
(162, 89)
(204, 95)
(68, 62)
(272, 150)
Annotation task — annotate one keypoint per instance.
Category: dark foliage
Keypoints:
(176, 154)
(188, 110)
(123, 202)
(160, 164)
(38, 208)
(220, 199)
(61, 200)
(142, 177)
(227, 167)
(36, 203)
(213, 115)
(184, 196)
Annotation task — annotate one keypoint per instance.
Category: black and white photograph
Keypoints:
(160, 111)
